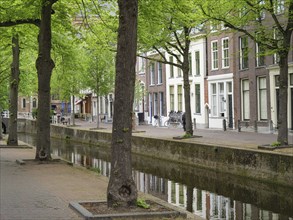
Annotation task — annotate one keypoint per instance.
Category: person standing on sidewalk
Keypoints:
(184, 121)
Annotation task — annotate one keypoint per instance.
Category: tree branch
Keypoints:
(36, 22)
(158, 60)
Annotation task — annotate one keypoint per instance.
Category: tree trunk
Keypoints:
(14, 81)
(121, 189)
(1, 131)
(73, 111)
(283, 100)
(44, 65)
(189, 196)
(185, 70)
(98, 104)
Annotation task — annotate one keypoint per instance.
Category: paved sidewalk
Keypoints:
(229, 138)
(43, 191)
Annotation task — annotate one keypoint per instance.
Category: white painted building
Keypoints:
(274, 91)
(175, 88)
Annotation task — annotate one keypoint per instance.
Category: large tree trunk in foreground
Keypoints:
(1, 130)
(185, 70)
(283, 87)
(283, 101)
(14, 80)
(44, 65)
(121, 189)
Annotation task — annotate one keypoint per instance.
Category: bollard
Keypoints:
(224, 125)
(255, 126)
(194, 123)
(271, 127)
(239, 127)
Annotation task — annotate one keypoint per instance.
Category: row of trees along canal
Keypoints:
(85, 49)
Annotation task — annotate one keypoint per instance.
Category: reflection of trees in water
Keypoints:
(206, 193)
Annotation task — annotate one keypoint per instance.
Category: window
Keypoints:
(160, 73)
(23, 103)
(214, 26)
(190, 64)
(179, 72)
(214, 55)
(179, 96)
(152, 74)
(243, 52)
(172, 98)
(197, 99)
(261, 12)
(225, 53)
(141, 65)
(214, 99)
(161, 107)
(197, 63)
(277, 36)
(221, 98)
(102, 106)
(155, 103)
(260, 58)
(262, 96)
(245, 99)
(34, 103)
(279, 6)
(171, 67)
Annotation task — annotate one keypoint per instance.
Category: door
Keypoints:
(230, 109)
(291, 109)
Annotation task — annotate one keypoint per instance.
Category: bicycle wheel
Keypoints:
(167, 123)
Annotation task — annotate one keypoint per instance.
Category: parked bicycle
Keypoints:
(175, 120)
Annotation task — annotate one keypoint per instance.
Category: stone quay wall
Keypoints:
(256, 164)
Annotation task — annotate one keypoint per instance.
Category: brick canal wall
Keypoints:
(262, 165)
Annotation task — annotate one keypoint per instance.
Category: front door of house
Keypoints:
(230, 108)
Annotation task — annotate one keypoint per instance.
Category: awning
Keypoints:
(78, 101)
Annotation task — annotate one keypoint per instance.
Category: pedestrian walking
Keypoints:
(183, 121)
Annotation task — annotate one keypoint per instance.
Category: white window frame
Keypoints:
(152, 74)
(197, 97)
(225, 53)
(259, 55)
(243, 58)
(160, 73)
(215, 55)
(245, 104)
(214, 98)
(171, 59)
(172, 97)
(279, 6)
(179, 98)
(197, 63)
(262, 98)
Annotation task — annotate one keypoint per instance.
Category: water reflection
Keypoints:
(209, 194)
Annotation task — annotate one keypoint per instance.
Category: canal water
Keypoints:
(206, 193)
